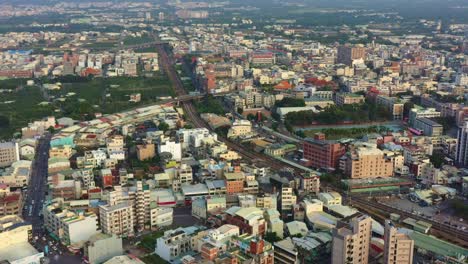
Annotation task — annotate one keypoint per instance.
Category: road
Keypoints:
(37, 185)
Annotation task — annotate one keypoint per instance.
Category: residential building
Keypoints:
(70, 227)
(347, 54)
(286, 252)
(172, 147)
(173, 243)
(398, 247)
(274, 223)
(234, 182)
(9, 153)
(117, 219)
(102, 247)
(10, 203)
(249, 220)
(161, 216)
(366, 161)
(310, 183)
(287, 199)
(145, 152)
(351, 240)
(322, 153)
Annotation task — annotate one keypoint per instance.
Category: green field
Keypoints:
(90, 97)
(22, 110)
(137, 40)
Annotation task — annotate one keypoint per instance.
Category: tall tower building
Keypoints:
(461, 156)
(398, 246)
(351, 240)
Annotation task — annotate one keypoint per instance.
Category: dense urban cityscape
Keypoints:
(233, 132)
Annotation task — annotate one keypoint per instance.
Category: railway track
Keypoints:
(192, 114)
(440, 230)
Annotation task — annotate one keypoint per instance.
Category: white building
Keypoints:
(171, 147)
(174, 243)
(70, 227)
(102, 247)
(195, 137)
(161, 216)
(14, 246)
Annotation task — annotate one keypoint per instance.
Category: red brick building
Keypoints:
(322, 153)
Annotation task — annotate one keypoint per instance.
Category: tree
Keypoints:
(4, 121)
(407, 108)
(272, 237)
(163, 126)
(437, 159)
(51, 129)
(251, 117)
(240, 110)
(290, 102)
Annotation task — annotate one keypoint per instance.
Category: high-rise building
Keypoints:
(347, 54)
(351, 240)
(461, 156)
(398, 246)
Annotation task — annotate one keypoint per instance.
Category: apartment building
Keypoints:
(117, 219)
(310, 183)
(398, 246)
(9, 153)
(347, 54)
(287, 199)
(322, 153)
(366, 161)
(70, 227)
(286, 252)
(102, 247)
(115, 143)
(351, 240)
(234, 182)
